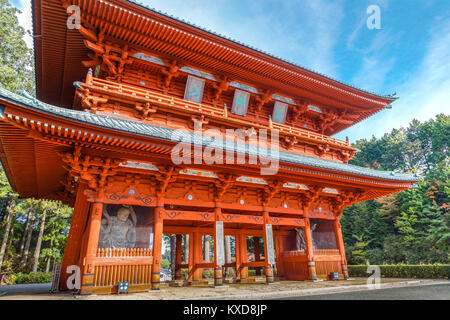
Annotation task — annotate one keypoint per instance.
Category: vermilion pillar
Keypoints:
(340, 245)
(237, 246)
(310, 251)
(267, 267)
(178, 257)
(191, 261)
(74, 240)
(198, 257)
(218, 273)
(157, 243)
(92, 234)
(243, 257)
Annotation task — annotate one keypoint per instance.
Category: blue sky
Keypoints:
(409, 55)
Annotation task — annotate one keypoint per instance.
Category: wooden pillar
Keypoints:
(243, 257)
(237, 251)
(310, 251)
(178, 257)
(92, 234)
(340, 245)
(191, 258)
(278, 253)
(218, 248)
(73, 245)
(268, 268)
(257, 254)
(157, 243)
(198, 257)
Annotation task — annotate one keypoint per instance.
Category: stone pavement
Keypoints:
(278, 290)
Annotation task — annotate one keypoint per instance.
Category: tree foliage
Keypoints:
(16, 59)
(412, 226)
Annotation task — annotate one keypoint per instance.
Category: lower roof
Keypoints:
(146, 130)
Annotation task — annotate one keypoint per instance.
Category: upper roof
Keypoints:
(146, 130)
(59, 52)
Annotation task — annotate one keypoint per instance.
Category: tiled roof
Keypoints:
(147, 130)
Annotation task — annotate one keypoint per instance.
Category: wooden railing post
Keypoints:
(340, 245)
(157, 243)
(92, 234)
(310, 251)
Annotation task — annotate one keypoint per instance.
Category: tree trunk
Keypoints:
(186, 248)
(11, 236)
(24, 259)
(173, 246)
(206, 248)
(25, 231)
(37, 250)
(47, 267)
(9, 220)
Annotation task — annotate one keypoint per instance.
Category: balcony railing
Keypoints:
(206, 109)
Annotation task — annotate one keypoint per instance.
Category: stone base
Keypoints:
(230, 280)
(199, 283)
(177, 283)
(260, 280)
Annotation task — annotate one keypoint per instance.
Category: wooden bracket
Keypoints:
(164, 176)
(145, 110)
(170, 72)
(272, 188)
(222, 184)
(221, 86)
(266, 96)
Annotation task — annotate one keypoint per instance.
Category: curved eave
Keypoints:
(324, 169)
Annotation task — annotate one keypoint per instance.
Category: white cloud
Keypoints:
(373, 72)
(423, 95)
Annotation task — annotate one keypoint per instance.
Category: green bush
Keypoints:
(208, 274)
(184, 274)
(32, 277)
(426, 271)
